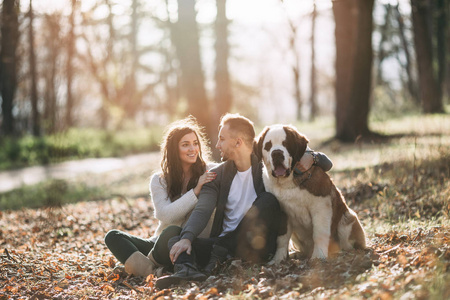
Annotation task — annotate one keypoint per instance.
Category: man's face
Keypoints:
(226, 144)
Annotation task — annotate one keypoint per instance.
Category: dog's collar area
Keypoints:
(299, 173)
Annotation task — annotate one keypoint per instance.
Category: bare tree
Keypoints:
(354, 56)
(430, 90)
(296, 66)
(441, 43)
(385, 32)
(411, 82)
(69, 121)
(186, 40)
(35, 120)
(223, 97)
(52, 31)
(8, 63)
(313, 92)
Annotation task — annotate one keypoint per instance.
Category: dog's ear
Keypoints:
(258, 143)
(296, 143)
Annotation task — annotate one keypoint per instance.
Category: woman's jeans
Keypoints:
(122, 245)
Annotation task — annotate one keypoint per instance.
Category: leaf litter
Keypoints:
(59, 253)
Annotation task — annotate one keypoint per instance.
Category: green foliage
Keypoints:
(76, 144)
(52, 193)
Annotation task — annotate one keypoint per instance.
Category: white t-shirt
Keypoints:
(240, 199)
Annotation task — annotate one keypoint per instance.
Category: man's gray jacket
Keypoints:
(214, 195)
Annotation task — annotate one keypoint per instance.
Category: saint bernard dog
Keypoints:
(319, 222)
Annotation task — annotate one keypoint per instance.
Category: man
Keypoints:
(247, 219)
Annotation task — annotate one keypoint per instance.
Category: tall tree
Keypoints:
(441, 43)
(430, 90)
(385, 32)
(186, 40)
(313, 92)
(293, 39)
(223, 97)
(411, 82)
(8, 62)
(53, 30)
(354, 56)
(35, 120)
(69, 67)
(132, 103)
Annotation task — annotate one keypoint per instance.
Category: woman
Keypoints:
(174, 194)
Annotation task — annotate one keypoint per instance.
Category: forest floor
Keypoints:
(400, 190)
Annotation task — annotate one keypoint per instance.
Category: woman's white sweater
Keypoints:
(176, 212)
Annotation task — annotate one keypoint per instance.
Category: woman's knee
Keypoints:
(171, 230)
(111, 236)
(173, 240)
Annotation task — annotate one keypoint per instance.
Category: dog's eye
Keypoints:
(268, 145)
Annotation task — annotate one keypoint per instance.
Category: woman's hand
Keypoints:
(205, 178)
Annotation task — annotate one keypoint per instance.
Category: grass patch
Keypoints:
(52, 193)
(76, 144)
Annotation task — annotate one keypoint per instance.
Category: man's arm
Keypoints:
(199, 218)
(202, 212)
(311, 158)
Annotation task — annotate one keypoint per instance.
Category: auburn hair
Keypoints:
(171, 166)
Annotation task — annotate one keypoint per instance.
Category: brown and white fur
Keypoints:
(319, 221)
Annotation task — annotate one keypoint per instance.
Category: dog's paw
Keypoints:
(272, 262)
(275, 261)
(278, 258)
(319, 254)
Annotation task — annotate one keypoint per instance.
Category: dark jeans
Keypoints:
(255, 238)
(122, 245)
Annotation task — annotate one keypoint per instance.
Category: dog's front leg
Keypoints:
(282, 247)
(321, 220)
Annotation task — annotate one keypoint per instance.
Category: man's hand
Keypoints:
(305, 162)
(180, 247)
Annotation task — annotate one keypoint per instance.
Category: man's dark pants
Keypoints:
(255, 238)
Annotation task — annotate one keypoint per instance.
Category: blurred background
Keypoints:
(98, 78)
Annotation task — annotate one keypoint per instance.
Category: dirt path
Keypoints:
(70, 170)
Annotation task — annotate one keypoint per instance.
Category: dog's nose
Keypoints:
(277, 155)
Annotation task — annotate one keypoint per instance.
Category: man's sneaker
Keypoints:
(218, 256)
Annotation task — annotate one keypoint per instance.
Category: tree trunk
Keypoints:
(172, 87)
(385, 32)
(53, 44)
(313, 95)
(430, 91)
(295, 67)
(70, 56)
(35, 121)
(188, 52)
(441, 35)
(354, 57)
(223, 98)
(131, 101)
(411, 82)
(8, 63)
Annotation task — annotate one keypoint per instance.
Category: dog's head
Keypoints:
(280, 147)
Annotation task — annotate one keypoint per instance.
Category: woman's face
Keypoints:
(188, 149)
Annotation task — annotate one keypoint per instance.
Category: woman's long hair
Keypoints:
(172, 170)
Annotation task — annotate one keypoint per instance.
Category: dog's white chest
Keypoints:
(297, 203)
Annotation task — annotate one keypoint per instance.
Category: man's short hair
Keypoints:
(240, 126)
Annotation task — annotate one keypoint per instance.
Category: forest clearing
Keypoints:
(399, 188)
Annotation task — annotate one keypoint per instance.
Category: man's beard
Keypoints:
(224, 158)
